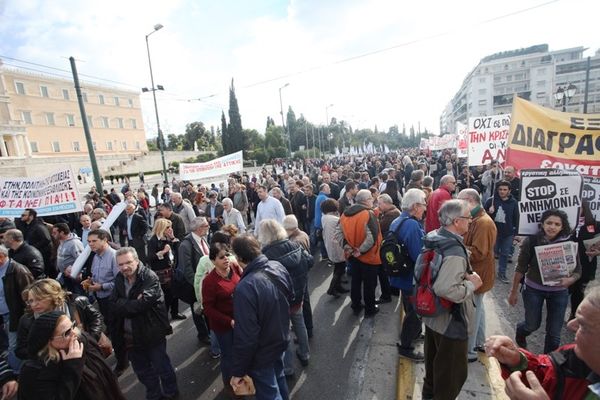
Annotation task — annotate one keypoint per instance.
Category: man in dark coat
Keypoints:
(24, 253)
(37, 234)
(134, 228)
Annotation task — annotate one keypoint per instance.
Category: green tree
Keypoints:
(270, 122)
(152, 144)
(225, 142)
(292, 129)
(196, 133)
(234, 129)
(274, 137)
(175, 142)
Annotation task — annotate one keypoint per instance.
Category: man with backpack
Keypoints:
(447, 329)
(407, 230)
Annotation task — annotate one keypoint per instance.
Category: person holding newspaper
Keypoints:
(554, 229)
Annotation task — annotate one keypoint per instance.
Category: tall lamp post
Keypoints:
(283, 121)
(327, 121)
(154, 89)
(564, 94)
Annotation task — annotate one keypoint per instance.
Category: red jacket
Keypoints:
(562, 374)
(217, 299)
(438, 197)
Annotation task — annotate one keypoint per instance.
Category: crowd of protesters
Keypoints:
(240, 253)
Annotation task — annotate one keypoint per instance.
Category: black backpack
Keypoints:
(395, 260)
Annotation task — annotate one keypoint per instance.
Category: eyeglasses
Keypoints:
(66, 334)
(467, 218)
(204, 226)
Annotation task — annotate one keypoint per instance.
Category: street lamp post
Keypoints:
(328, 140)
(154, 89)
(283, 121)
(564, 94)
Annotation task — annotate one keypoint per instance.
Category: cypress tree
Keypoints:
(234, 130)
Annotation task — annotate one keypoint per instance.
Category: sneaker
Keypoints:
(179, 317)
(479, 349)
(521, 341)
(304, 362)
(372, 313)
(503, 279)
(214, 356)
(472, 360)
(383, 300)
(410, 354)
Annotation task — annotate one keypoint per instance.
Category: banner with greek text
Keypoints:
(488, 139)
(544, 138)
(219, 166)
(462, 140)
(51, 194)
(447, 141)
(546, 189)
(591, 194)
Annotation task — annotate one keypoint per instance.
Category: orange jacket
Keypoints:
(361, 231)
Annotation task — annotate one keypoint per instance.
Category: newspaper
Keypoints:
(556, 261)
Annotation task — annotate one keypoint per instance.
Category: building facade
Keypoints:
(534, 73)
(39, 117)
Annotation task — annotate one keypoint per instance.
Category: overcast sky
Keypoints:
(314, 45)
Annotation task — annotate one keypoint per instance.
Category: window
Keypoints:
(66, 95)
(497, 79)
(76, 146)
(518, 77)
(541, 83)
(482, 102)
(56, 147)
(70, 120)
(137, 146)
(482, 80)
(117, 103)
(124, 145)
(541, 71)
(104, 122)
(541, 95)
(50, 119)
(130, 102)
(133, 123)
(506, 67)
(26, 117)
(34, 147)
(120, 123)
(109, 146)
(90, 121)
(482, 91)
(84, 96)
(44, 91)
(94, 146)
(20, 87)
(100, 99)
(508, 78)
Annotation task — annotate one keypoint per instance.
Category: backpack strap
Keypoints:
(282, 289)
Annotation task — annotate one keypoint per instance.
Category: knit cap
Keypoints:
(41, 331)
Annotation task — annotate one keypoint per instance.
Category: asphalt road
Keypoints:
(333, 346)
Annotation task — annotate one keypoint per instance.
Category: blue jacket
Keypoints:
(296, 262)
(411, 234)
(261, 311)
(318, 214)
(505, 215)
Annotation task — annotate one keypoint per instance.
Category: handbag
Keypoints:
(104, 343)
(165, 276)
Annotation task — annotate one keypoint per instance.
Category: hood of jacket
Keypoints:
(445, 242)
(355, 209)
(285, 251)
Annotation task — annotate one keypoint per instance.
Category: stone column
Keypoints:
(3, 149)
(26, 145)
(17, 146)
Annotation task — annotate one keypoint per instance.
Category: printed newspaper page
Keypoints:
(556, 261)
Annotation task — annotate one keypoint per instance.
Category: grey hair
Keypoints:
(290, 222)
(14, 234)
(100, 211)
(196, 222)
(227, 201)
(127, 250)
(417, 175)
(363, 195)
(270, 231)
(3, 250)
(427, 181)
(470, 194)
(276, 190)
(176, 195)
(412, 197)
(445, 179)
(384, 198)
(406, 160)
(593, 296)
(451, 210)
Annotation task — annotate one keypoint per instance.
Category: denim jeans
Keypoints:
(270, 382)
(297, 319)
(226, 346)
(13, 361)
(503, 248)
(215, 345)
(153, 369)
(556, 306)
(411, 324)
(477, 338)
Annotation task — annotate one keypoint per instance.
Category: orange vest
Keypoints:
(354, 228)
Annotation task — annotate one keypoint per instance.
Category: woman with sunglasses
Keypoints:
(64, 363)
(217, 300)
(46, 295)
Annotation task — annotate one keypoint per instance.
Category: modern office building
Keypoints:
(39, 117)
(534, 73)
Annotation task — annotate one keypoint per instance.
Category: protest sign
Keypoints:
(424, 144)
(462, 140)
(487, 139)
(556, 261)
(51, 194)
(545, 189)
(447, 141)
(591, 194)
(544, 138)
(219, 166)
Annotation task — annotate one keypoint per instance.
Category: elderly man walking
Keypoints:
(362, 238)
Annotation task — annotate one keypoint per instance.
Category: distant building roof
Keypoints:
(538, 48)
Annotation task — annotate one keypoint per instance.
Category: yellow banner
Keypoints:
(540, 130)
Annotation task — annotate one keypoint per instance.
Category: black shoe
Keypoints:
(309, 333)
(410, 354)
(521, 341)
(383, 300)
(173, 396)
(357, 309)
(302, 361)
(479, 349)
(333, 293)
(341, 289)
(372, 313)
(178, 316)
(472, 360)
(395, 291)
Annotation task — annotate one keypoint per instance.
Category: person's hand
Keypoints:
(503, 349)
(593, 250)
(235, 382)
(9, 390)
(516, 389)
(95, 287)
(566, 282)
(75, 350)
(166, 249)
(355, 253)
(68, 271)
(232, 324)
(491, 209)
(512, 298)
(475, 279)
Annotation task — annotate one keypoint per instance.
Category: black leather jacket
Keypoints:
(16, 279)
(30, 257)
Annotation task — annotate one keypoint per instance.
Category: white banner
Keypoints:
(448, 141)
(545, 189)
(51, 194)
(219, 166)
(424, 144)
(488, 139)
(591, 194)
(462, 140)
